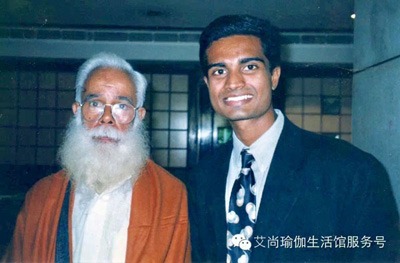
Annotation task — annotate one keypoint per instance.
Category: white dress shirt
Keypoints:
(262, 150)
(100, 223)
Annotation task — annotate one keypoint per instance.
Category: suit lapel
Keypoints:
(283, 184)
(219, 217)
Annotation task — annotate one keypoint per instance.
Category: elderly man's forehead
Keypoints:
(106, 72)
(109, 69)
(106, 80)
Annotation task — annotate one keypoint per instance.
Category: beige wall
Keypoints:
(321, 105)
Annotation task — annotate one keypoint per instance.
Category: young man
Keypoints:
(298, 196)
(110, 203)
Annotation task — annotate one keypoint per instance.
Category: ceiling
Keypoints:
(288, 15)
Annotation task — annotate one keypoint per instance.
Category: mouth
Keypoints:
(105, 139)
(238, 98)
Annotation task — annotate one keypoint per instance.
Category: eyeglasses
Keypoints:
(122, 113)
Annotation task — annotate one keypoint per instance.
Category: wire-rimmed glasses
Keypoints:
(122, 112)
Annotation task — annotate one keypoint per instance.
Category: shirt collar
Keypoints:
(263, 146)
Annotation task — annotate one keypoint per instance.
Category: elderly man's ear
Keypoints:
(141, 112)
(75, 107)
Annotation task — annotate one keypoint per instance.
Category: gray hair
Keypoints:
(109, 60)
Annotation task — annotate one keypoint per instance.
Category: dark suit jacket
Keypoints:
(317, 188)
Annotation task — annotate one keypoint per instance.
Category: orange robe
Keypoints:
(158, 229)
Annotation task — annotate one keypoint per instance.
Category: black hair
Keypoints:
(230, 25)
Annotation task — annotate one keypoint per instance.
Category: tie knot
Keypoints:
(247, 158)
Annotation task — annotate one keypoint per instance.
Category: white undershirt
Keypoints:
(100, 224)
(262, 150)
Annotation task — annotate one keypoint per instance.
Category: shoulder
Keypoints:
(213, 158)
(344, 152)
(209, 175)
(49, 184)
(157, 175)
(158, 190)
(326, 149)
(45, 195)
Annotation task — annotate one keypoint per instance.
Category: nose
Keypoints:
(235, 80)
(107, 117)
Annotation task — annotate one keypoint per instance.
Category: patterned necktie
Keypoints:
(242, 212)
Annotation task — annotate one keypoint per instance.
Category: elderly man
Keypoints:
(109, 203)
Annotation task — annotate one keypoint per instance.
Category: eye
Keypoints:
(95, 104)
(218, 72)
(250, 67)
(122, 106)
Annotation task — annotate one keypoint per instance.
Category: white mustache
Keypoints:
(102, 131)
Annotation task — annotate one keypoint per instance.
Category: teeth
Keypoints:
(244, 97)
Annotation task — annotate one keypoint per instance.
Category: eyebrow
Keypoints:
(126, 99)
(241, 61)
(90, 96)
(245, 60)
(220, 64)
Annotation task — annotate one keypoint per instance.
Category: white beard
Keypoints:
(101, 166)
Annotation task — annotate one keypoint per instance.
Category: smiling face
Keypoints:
(239, 81)
(109, 86)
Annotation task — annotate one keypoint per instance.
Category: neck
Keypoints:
(248, 131)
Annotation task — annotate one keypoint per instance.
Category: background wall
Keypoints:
(376, 89)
